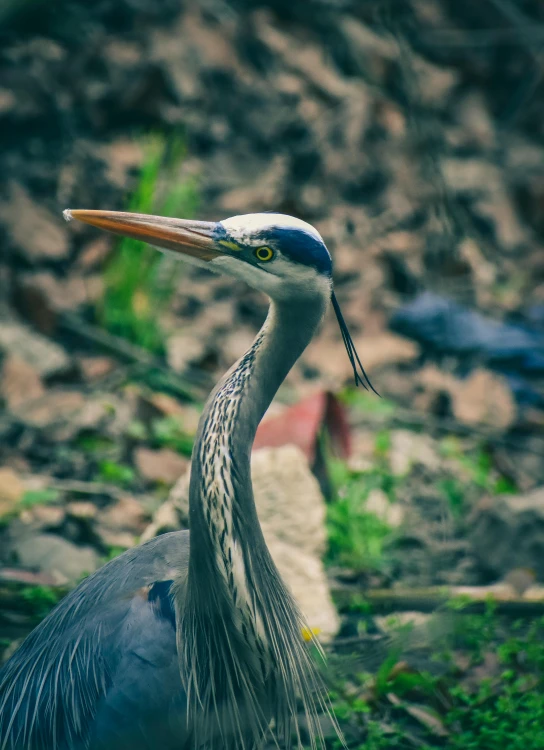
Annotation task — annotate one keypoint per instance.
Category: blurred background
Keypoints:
(411, 134)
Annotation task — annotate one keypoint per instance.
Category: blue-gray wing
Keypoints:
(101, 670)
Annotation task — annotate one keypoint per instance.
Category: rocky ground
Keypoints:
(411, 135)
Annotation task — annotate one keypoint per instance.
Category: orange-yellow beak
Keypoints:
(197, 239)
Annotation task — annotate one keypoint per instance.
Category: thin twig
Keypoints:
(82, 488)
(125, 349)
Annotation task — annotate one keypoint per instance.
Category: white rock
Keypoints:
(182, 349)
(390, 513)
(410, 448)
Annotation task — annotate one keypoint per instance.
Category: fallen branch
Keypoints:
(458, 599)
(77, 487)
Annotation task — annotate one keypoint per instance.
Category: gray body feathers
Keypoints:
(100, 670)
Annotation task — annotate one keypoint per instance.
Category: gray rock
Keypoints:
(41, 235)
(507, 532)
(46, 357)
(49, 553)
(182, 349)
(409, 449)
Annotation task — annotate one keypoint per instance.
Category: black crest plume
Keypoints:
(358, 370)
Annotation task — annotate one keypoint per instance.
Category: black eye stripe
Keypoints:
(299, 246)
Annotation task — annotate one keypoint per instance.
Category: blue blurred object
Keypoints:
(442, 326)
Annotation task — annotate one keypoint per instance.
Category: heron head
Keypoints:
(282, 256)
(278, 254)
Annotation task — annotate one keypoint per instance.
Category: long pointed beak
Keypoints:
(197, 239)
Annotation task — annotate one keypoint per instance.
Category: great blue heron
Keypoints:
(192, 644)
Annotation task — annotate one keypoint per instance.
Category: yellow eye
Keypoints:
(264, 254)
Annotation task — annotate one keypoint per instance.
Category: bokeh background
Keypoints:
(411, 134)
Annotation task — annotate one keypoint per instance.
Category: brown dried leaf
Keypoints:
(20, 382)
(484, 398)
(11, 490)
(160, 465)
(94, 368)
(52, 408)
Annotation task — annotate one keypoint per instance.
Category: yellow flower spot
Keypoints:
(310, 633)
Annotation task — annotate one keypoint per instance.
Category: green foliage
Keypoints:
(477, 471)
(137, 286)
(453, 491)
(356, 535)
(383, 676)
(110, 471)
(525, 647)
(38, 497)
(41, 599)
(29, 499)
(381, 738)
(96, 444)
(358, 604)
(168, 432)
(513, 720)
(367, 403)
(508, 711)
(483, 706)
(136, 430)
(476, 633)
(478, 466)
(382, 443)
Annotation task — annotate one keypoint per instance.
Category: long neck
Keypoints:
(242, 657)
(222, 509)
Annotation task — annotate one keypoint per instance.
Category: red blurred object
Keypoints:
(302, 425)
